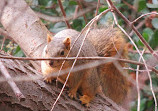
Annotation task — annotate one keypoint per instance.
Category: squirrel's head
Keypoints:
(56, 47)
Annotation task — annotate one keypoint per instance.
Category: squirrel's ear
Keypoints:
(49, 38)
(67, 42)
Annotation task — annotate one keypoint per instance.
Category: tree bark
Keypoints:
(40, 96)
(29, 33)
(24, 26)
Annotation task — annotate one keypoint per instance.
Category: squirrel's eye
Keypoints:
(62, 53)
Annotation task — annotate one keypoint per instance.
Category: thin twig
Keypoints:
(64, 14)
(143, 16)
(129, 68)
(80, 6)
(98, 5)
(137, 27)
(12, 84)
(129, 5)
(146, 52)
(76, 11)
(144, 41)
(113, 8)
(96, 13)
(137, 82)
(144, 65)
(134, 13)
(65, 71)
(79, 58)
(60, 19)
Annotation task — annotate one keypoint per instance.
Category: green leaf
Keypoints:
(152, 5)
(77, 24)
(142, 104)
(147, 34)
(149, 31)
(154, 40)
(155, 23)
(43, 2)
(101, 9)
(142, 5)
(72, 3)
(140, 43)
(19, 52)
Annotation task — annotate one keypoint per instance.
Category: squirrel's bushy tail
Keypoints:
(110, 42)
(114, 84)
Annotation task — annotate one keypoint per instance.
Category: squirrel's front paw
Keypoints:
(48, 80)
(72, 95)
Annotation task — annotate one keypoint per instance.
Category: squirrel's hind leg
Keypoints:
(74, 84)
(85, 99)
(73, 90)
(89, 86)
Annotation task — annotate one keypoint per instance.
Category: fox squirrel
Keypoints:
(100, 42)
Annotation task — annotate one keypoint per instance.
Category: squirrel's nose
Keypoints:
(51, 63)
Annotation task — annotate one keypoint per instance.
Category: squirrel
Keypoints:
(85, 80)
(104, 42)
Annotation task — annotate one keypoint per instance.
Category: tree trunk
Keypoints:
(23, 25)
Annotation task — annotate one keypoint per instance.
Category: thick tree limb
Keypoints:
(24, 27)
(41, 96)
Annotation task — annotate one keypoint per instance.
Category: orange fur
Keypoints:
(102, 42)
(109, 42)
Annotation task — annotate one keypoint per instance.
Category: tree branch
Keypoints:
(12, 84)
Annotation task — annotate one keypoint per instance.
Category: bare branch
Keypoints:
(146, 52)
(137, 27)
(80, 6)
(113, 8)
(98, 5)
(64, 14)
(143, 16)
(59, 19)
(12, 84)
(129, 68)
(79, 58)
(129, 5)
(137, 82)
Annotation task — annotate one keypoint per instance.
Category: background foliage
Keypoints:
(148, 27)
